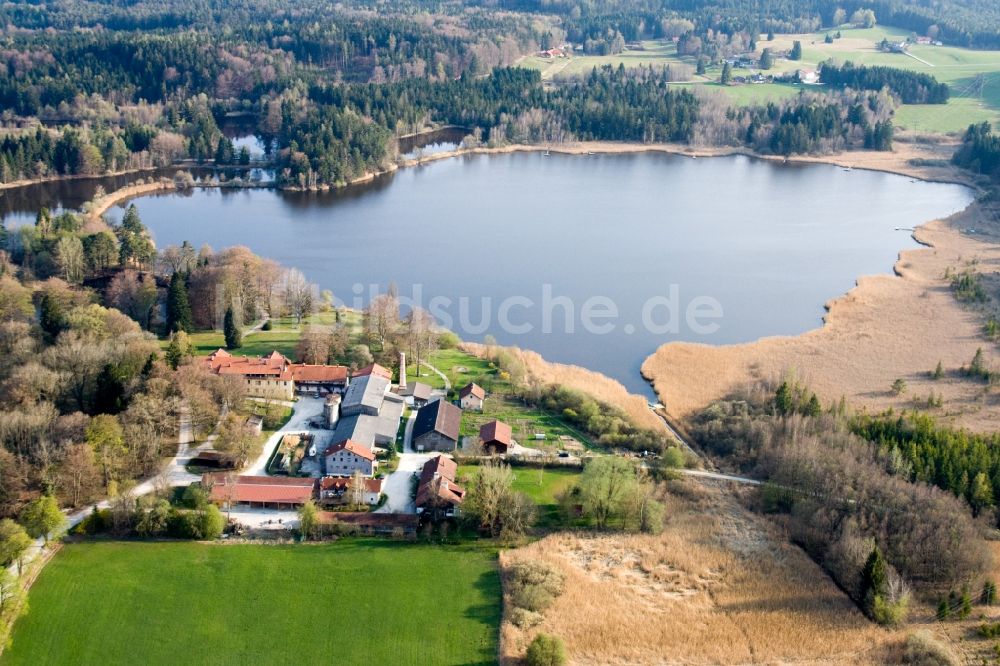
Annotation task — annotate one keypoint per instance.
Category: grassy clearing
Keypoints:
(543, 485)
(651, 53)
(283, 336)
(462, 368)
(974, 76)
(354, 601)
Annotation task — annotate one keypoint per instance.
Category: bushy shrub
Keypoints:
(922, 649)
(97, 521)
(524, 618)
(534, 586)
(546, 650)
(267, 326)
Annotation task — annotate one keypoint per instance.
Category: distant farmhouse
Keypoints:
(438, 496)
(472, 396)
(436, 427)
(275, 377)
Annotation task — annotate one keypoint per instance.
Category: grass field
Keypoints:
(462, 368)
(283, 336)
(350, 602)
(974, 76)
(543, 485)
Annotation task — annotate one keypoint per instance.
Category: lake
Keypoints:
(540, 251)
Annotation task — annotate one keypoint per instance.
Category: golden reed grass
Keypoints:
(719, 586)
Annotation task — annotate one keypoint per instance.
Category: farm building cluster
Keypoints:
(339, 460)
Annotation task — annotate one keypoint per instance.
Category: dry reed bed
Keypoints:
(885, 328)
(719, 586)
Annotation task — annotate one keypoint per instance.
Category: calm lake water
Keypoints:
(522, 246)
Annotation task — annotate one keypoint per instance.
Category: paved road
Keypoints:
(306, 409)
(720, 477)
(397, 485)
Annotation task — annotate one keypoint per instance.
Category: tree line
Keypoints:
(841, 497)
(980, 150)
(910, 87)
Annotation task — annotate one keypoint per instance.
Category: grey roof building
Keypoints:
(364, 396)
(372, 430)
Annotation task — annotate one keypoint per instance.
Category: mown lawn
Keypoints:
(543, 485)
(350, 602)
(283, 336)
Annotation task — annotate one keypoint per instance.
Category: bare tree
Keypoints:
(420, 334)
(298, 294)
(357, 488)
(382, 318)
(79, 478)
(69, 254)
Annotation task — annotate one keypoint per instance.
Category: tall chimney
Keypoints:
(402, 370)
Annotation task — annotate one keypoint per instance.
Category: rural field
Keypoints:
(719, 586)
(354, 601)
(973, 76)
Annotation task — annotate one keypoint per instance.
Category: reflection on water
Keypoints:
(769, 243)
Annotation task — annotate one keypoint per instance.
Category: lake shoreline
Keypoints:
(665, 386)
(887, 327)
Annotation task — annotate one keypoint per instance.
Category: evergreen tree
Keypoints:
(784, 403)
(234, 338)
(178, 349)
(700, 67)
(727, 74)
(989, 595)
(178, 307)
(796, 53)
(874, 577)
(766, 59)
(943, 610)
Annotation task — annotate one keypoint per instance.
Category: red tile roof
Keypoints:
(273, 366)
(269, 489)
(472, 388)
(495, 431)
(359, 450)
(438, 478)
(342, 483)
(302, 372)
(374, 369)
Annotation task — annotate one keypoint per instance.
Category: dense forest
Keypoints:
(971, 23)
(962, 463)
(980, 150)
(138, 85)
(837, 492)
(910, 87)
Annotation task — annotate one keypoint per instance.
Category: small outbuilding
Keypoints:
(496, 437)
(472, 396)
